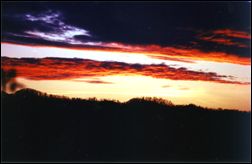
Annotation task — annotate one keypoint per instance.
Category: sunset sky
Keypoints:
(187, 52)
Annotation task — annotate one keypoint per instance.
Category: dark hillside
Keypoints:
(40, 127)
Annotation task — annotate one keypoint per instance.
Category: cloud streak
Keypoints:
(184, 54)
(227, 37)
(60, 68)
(233, 33)
(227, 42)
(179, 54)
(94, 81)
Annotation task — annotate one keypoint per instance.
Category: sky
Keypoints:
(187, 52)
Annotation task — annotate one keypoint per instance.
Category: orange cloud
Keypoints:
(60, 68)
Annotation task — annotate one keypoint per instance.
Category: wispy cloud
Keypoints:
(48, 17)
(58, 29)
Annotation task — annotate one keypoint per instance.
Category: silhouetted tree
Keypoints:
(154, 100)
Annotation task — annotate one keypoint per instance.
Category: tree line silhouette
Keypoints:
(41, 127)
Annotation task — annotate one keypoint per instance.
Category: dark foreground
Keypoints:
(36, 127)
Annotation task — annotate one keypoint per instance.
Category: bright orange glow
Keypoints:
(123, 88)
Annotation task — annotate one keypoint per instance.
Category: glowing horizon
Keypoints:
(179, 92)
(123, 85)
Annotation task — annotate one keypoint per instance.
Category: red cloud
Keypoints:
(223, 41)
(226, 37)
(59, 68)
(233, 33)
